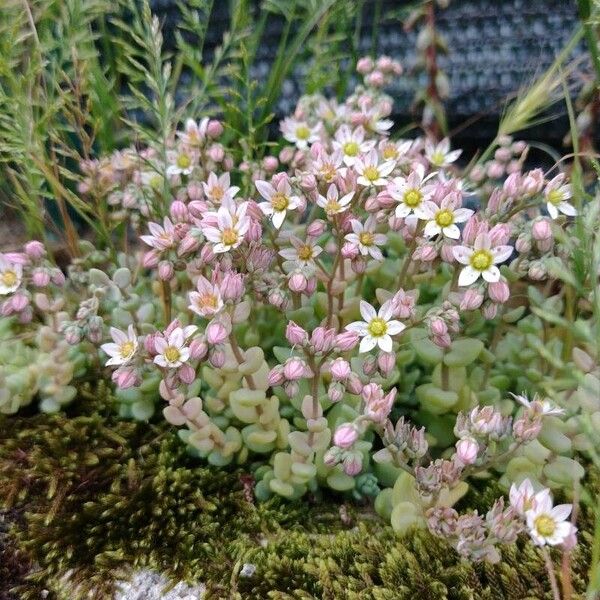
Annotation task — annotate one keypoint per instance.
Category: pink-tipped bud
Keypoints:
(198, 349)
(214, 129)
(347, 340)
(471, 300)
(294, 369)
(151, 259)
(216, 153)
(490, 310)
(335, 391)
(277, 298)
(499, 291)
(316, 228)
(166, 271)
(340, 369)
(499, 234)
(270, 163)
(354, 384)
(365, 65)
(296, 335)
(541, 230)
(35, 250)
(537, 271)
(523, 243)
(41, 278)
(216, 333)
(350, 250)
(216, 357)
(179, 211)
(126, 378)
(323, 339)
(438, 326)
(352, 464)
(297, 282)
(276, 376)
(73, 335)
(345, 435)
(186, 373)
(369, 365)
(466, 450)
(386, 361)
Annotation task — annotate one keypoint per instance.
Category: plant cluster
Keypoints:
(351, 313)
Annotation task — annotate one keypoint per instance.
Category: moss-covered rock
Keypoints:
(94, 497)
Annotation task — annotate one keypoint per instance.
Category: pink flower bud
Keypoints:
(216, 153)
(58, 277)
(311, 286)
(499, 234)
(340, 369)
(150, 259)
(179, 211)
(35, 250)
(346, 341)
(276, 298)
(186, 373)
(365, 65)
(41, 278)
(276, 376)
(270, 163)
(335, 391)
(354, 384)
(125, 378)
(188, 244)
(466, 450)
(471, 300)
(19, 302)
(198, 348)
(533, 182)
(323, 339)
(386, 361)
(291, 388)
(537, 271)
(216, 357)
(166, 270)
(499, 291)
(490, 310)
(352, 464)
(294, 369)
(297, 282)
(232, 286)
(495, 170)
(541, 230)
(350, 250)
(195, 193)
(73, 335)
(375, 79)
(503, 154)
(316, 228)
(438, 326)
(345, 435)
(216, 333)
(214, 129)
(523, 243)
(296, 335)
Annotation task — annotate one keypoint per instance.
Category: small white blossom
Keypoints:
(411, 193)
(351, 143)
(377, 329)
(299, 132)
(11, 276)
(557, 193)
(440, 155)
(303, 253)
(548, 525)
(333, 204)
(481, 260)
(442, 219)
(172, 351)
(371, 172)
(218, 189)
(365, 238)
(278, 200)
(227, 227)
(123, 347)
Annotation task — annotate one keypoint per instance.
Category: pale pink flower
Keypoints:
(279, 200)
(524, 498)
(299, 132)
(227, 227)
(207, 301)
(333, 204)
(217, 189)
(123, 347)
(481, 260)
(327, 167)
(411, 193)
(538, 406)
(172, 351)
(365, 239)
(442, 219)
(182, 162)
(345, 435)
(351, 143)
(548, 525)
(304, 253)
(11, 275)
(440, 155)
(377, 328)
(371, 172)
(557, 193)
(162, 237)
(194, 133)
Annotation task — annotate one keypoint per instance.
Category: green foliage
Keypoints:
(97, 497)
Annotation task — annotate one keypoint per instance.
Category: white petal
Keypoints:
(367, 311)
(452, 231)
(278, 218)
(552, 210)
(431, 229)
(501, 253)
(265, 189)
(385, 343)
(567, 209)
(468, 276)
(395, 327)
(462, 254)
(359, 327)
(366, 344)
(491, 275)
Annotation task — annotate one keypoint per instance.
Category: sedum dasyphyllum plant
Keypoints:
(356, 313)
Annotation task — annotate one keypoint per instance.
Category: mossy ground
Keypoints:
(95, 497)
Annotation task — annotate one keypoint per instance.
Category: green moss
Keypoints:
(97, 497)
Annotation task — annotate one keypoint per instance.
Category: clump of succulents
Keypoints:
(356, 313)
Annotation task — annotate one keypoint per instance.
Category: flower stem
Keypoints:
(167, 301)
(551, 574)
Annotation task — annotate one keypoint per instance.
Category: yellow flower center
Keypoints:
(412, 198)
(172, 354)
(156, 182)
(555, 197)
(545, 525)
(9, 278)
(482, 260)
(183, 161)
(444, 218)
(217, 192)
(390, 152)
(229, 237)
(208, 301)
(333, 206)
(305, 252)
(127, 348)
(328, 173)
(302, 132)
(279, 201)
(437, 158)
(377, 327)
(351, 148)
(371, 173)
(366, 238)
